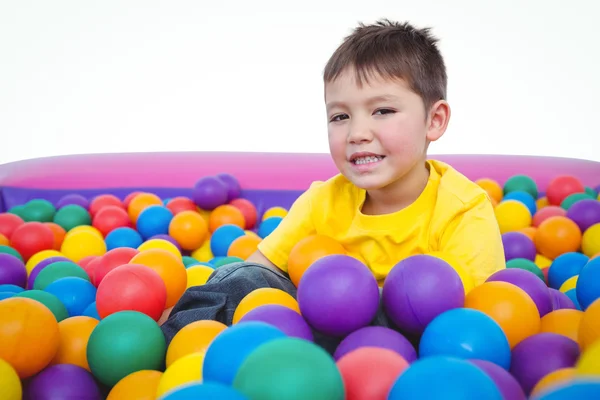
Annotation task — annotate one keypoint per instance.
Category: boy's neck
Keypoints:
(399, 194)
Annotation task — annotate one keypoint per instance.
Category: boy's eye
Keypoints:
(384, 111)
(338, 117)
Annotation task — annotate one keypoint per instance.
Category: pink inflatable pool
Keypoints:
(268, 179)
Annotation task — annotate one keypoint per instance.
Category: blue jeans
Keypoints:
(218, 298)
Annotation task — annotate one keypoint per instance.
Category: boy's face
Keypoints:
(378, 132)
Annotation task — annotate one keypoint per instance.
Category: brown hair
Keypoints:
(394, 51)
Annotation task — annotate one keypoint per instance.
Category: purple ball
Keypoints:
(76, 199)
(508, 385)
(168, 238)
(338, 294)
(40, 266)
(12, 271)
(538, 355)
(560, 300)
(418, 289)
(518, 245)
(287, 320)
(530, 283)
(62, 381)
(585, 213)
(233, 186)
(209, 193)
(376, 336)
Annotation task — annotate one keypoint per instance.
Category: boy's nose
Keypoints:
(360, 134)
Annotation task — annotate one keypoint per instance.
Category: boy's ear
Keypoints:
(437, 121)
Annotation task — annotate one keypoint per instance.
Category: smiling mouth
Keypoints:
(366, 159)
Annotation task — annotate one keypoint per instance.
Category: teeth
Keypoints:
(366, 160)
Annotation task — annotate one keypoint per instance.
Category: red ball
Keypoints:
(109, 218)
(132, 287)
(369, 372)
(130, 197)
(545, 272)
(179, 204)
(248, 211)
(547, 212)
(561, 187)
(111, 260)
(31, 238)
(104, 200)
(8, 223)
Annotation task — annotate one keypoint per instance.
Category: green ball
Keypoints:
(291, 369)
(71, 216)
(49, 300)
(574, 198)
(123, 343)
(189, 261)
(17, 210)
(227, 260)
(527, 265)
(9, 250)
(591, 192)
(521, 183)
(56, 271)
(38, 210)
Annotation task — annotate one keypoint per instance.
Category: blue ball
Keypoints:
(467, 334)
(268, 225)
(92, 311)
(588, 283)
(222, 238)
(564, 267)
(123, 237)
(7, 287)
(6, 295)
(154, 220)
(229, 349)
(524, 198)
(572, 294)
(203, 390)
(445, 378)
(75, 293)
(578, 389)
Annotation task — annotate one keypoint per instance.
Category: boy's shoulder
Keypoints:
(337, 187)
(456, 188)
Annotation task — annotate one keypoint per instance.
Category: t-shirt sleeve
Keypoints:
(297, 224)
(473, 237)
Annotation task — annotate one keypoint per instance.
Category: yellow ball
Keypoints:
(542, 261)
(184, 370)
(161, 244)
(39, 257)
(204, 214)
(250, 233)
(590, 243)
(140, 385)
(512, 215)
(466, 278)
(10, 384)
(84, 228)
(569, 284)
(195, 337)
(589, 361)
(542, 202)
(197, 275)
(553, 379)
(262, 296)
(83, 244)
(203, 254)
(275, 212)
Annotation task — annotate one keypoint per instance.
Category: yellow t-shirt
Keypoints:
(452, 215)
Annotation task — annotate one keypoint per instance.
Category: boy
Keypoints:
(385, 90)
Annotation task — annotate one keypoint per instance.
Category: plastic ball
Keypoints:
(123, 237)
(444, 378)
(82, 244)
(521, 183)
(569, 284)
(63, 381)
(10, 382)
(338, 294)
(560, 300)
(49, 300)
(418, 289)
(523, 197)
(248, 211)
(508, 305)
(91, 311)
(8, 224)
(39, 210)
(84, 229)
(527, 265)
(181, 204)
(518, 245)
(16, 210)
(540, 354)
(575, 198)
(279, 212)
(556, 236)
(141, 202)
(548, 212)
(268, 225)
(73, 198)
(284, 318)
(563, 322)
(56, 271)
(263, 296)
(195, 337)
(565, 266)
(161, 244)
(58, 232)
(11, 288)
(111, 260)
(210, 192)
(562, 186)
(71, 216)
(140, 385)
(104, 200)
(233, 186)
(590, 244)
(542, 262)
(530, 232)
(222, 238)
(154, 220)
(506, 383)
(110, 218)
(376, 336)
(123, 343)
(189, 229)
(226, 214)
(589, 326)
(31, 238)
(244, 246)
(190, 261)
(75, 293)
(307, 251)
(4, 240)
(5, 249)
(585, 213)
(553, 379)
(512, 215)
(41, 256)
(185, 370)
(12, 271)
(230, 348)
(204, 390)
(493, 189)
(465, 333)
(528, 282)
(28, 335)
(74, 335)
(589, 362)
(197, 275)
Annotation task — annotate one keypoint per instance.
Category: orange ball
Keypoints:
(307, 251)
(261, 297)
(193, 338)
(530, 231)
(508, 305)
(3, 240)
(29, 335)
(58, 232)
(563, 322)
(542, 202)
(244, 246)
(554, 378)
(493, 189)
(169, 268)
(589, 327)
(139, 385)
(74, 335)
(224, 215)
(557, 235)
(140, 202)
(189, 230)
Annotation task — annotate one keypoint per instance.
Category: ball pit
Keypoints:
(126, 234)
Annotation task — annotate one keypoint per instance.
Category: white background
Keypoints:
(245, 75)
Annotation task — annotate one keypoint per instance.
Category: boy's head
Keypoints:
(385, 94)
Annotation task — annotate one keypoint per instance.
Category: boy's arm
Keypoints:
(474, 238)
